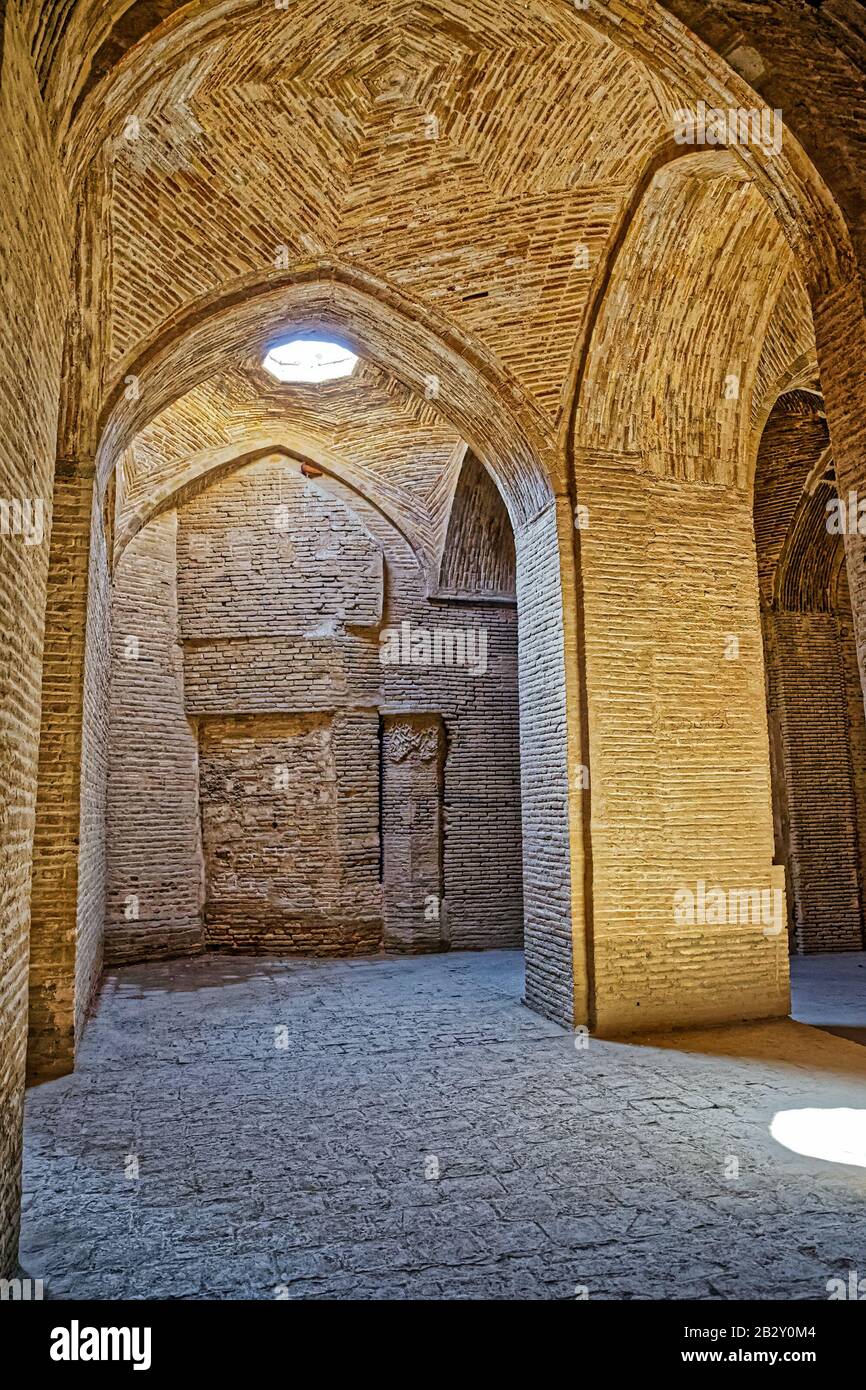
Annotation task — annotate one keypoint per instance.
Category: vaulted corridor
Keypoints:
(432, 650)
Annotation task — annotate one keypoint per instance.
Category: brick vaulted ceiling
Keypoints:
(487, 161)
(467, 169)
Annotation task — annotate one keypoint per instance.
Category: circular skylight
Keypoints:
(308, 359)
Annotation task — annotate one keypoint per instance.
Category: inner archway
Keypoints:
(302, 754)
(449, 529)
(814, 698)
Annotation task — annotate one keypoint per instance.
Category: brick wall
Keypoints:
(281, 596)
(33, 287)
(810, 700)
(271, 556)
(548, 870)
(91, 897)
(155, 865)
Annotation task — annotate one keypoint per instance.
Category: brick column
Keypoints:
(680, 776)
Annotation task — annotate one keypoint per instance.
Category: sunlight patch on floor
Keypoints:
(837, 1136)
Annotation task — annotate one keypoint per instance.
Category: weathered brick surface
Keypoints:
(256, 560)
(281, 595)
(283, 869)
(413, 754)
(33, 287)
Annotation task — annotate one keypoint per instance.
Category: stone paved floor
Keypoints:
(287, 1122)
(829, 991)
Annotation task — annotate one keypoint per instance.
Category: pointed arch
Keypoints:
(401, 336)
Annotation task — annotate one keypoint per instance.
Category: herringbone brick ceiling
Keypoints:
(482, 158)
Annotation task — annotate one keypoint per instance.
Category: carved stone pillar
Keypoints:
(413, 749)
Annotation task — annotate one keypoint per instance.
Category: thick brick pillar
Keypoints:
(679, 756)
(54, 1006)
(68, 898)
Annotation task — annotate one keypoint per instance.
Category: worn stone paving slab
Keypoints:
(405, 1128)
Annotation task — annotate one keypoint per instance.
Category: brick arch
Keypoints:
(477, 551)
(801, 374)
(687, 295)
(812, 224)
(125, 60)
(506, 432)
(666, 565)
(787, 360)
(688, 71)
(144, 46)
(399, 513)
(801, 560)
(402, 336)
(132, 48)
(812, 561)
(793, 459)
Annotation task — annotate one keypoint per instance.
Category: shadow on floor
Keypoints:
(828, 1006)
(784, 1041)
